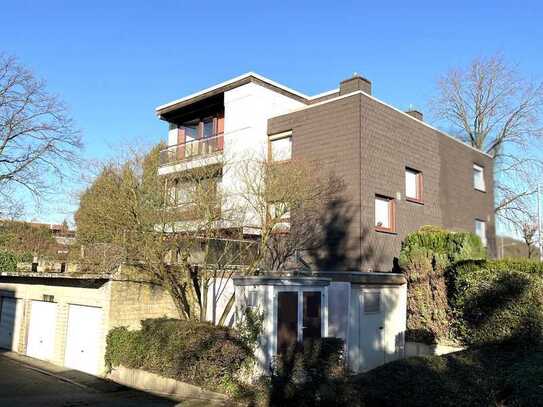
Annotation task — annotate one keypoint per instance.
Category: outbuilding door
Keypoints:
(11, 310)
(83, 338)
(299, 317)
(41, 330)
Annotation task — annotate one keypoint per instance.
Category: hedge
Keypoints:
(312, 374)
(193, 352)
(425, 257)
(496, 301)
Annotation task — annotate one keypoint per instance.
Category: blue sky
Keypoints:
(113, 62)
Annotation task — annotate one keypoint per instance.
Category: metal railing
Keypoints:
(192, 149)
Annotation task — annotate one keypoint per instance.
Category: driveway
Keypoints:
(25, 385)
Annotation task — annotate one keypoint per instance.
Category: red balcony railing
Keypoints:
(192, 149)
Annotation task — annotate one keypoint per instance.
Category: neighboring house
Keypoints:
(64, 317)
(400, 173)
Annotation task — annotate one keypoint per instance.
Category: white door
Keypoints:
(367, 330)
(11, 310)
(41, 330)
(83, 338)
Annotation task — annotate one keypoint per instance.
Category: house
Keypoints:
(64, 317)
(399, 172)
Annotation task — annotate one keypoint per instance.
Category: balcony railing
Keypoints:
(192, 149)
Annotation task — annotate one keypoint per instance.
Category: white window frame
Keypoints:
(479, 185)
(276, 137)
(300, 290)
(417, 175)
(483, 237)
(391, 212)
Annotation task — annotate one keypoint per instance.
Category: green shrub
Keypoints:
(425, 257)
(310, 375)
(496, 301)
(8, 262)
(194, 352)
(493, 375)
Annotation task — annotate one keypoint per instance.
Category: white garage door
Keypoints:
(11, 310)
(83, 338)
(41, 330)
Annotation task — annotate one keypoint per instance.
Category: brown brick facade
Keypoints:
(369, 144)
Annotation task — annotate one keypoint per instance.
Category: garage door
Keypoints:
(11, 310)
(41, 330)
(83, 338)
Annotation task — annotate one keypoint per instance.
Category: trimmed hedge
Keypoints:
(496, 301)
(193, 352)
(425, 257)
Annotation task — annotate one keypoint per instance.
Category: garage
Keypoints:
(41, 330)
(83, 338)
(11, 311)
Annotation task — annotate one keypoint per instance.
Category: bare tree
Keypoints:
(188, 231)
(529, 231)
(38, 142)
(492, 108)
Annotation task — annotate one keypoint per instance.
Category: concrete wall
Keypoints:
(132, 302)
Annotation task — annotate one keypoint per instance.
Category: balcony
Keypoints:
(192, 149)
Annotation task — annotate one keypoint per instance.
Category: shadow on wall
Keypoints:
(339, 248)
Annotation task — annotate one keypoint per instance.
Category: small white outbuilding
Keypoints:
(366, 310)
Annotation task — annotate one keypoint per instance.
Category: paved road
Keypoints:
(21, 385)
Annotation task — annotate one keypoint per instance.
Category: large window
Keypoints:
(281, 148)
(384, 214)
(478, 177)
(413, 185)
(480, 230)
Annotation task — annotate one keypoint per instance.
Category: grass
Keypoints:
(497, 375)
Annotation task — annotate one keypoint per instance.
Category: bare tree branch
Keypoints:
(492, 108)
(39, 145)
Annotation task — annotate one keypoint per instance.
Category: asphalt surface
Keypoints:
(23, 385)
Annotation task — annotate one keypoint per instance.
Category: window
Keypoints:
(48, 298)
(252, 299)
(281, 148)
(372, 302)
(384, 214)
(480, 230)
(478, 177)
(413, 185)
(208, 127)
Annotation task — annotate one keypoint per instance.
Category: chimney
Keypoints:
(416, 114)
(353, 84)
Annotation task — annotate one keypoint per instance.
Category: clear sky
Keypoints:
(113, 62)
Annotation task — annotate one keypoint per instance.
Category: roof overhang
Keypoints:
(222, 87)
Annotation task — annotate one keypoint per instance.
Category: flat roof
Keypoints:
(56, 275)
